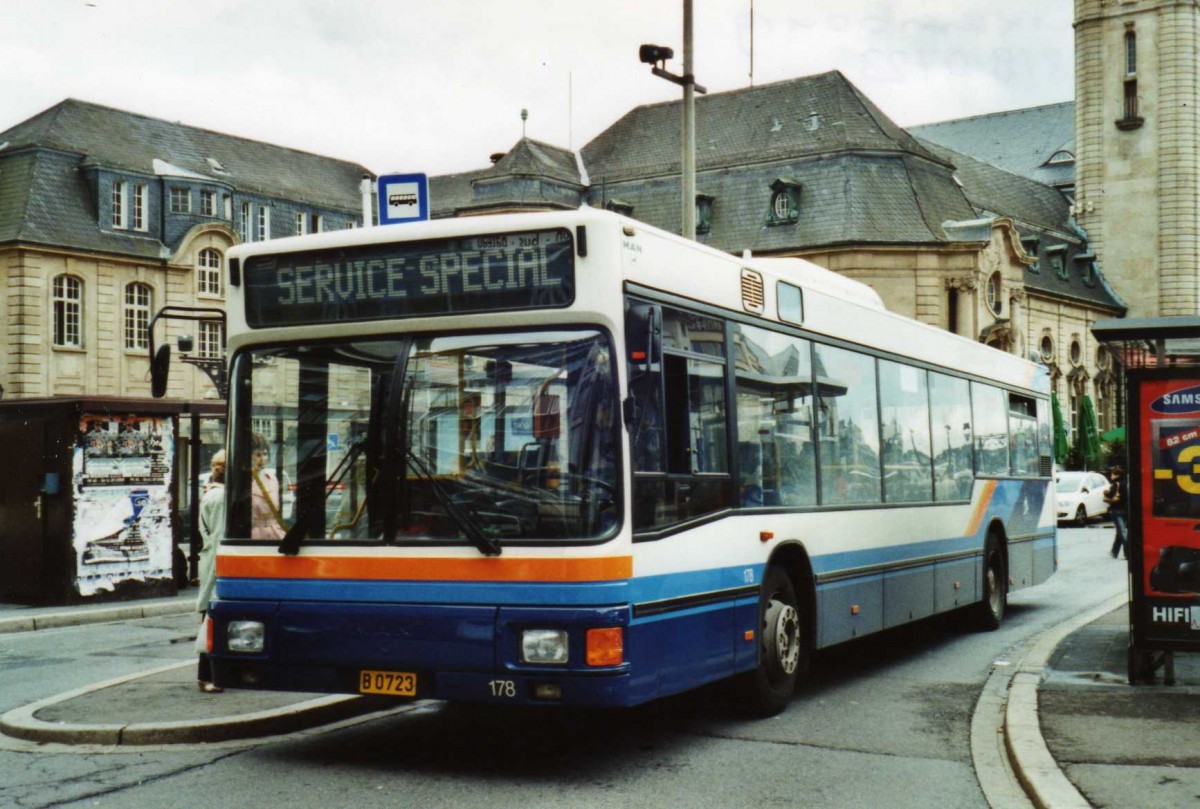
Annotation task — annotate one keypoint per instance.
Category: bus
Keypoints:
(566, 458)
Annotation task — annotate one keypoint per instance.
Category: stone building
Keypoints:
(1138, 134)
(811, 167)
(106, 216)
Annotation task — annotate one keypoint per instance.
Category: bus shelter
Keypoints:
(1160, 362)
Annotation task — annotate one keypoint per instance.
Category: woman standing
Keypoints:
(212, 525)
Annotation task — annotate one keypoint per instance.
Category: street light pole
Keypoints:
(657, 55)
(688, 180)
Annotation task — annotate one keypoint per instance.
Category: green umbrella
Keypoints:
(1088, 435)
(1115, 434)
(1060, 431)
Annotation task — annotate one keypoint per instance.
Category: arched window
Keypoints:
(138, 300)
(67, 300)
(208, 272)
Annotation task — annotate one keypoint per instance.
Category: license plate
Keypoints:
(392, 683)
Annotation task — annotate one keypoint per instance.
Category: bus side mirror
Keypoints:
(159, 368)
(643, 333)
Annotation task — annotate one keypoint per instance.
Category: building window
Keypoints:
(68, 311)
(301, 223)
(1131, 100)
(1058, 260)
(704, 209)
(118, 206)
(244, 222)
(181, 200)
(1076, 351)
(141, 198)
(1130, 118)
(263, 232)
(208, 203)
(1030, 245)
(785, 202)
(209, 343)
(1046, 348)
(995, 300)
(318, 224)
(138, 298)
(208, 272)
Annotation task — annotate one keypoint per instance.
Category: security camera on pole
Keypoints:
(657, 55)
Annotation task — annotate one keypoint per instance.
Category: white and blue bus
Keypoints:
(566, 458)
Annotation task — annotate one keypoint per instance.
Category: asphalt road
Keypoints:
(883, 722)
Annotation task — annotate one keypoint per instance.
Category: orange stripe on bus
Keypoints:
(985, 499)
(408, 569)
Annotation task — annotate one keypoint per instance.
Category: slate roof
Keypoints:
(515, 179)
(1021, 141)
(45, 198)
(1038, 210)
(822, 114)
(992, 190)
(863, 179)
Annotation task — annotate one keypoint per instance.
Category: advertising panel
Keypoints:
(122, 481)
(1169, 574)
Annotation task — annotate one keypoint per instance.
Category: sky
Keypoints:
(437, 86)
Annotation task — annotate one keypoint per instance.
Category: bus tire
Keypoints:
(989, 612)
(767, 689)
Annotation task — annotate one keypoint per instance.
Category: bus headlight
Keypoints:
(544, 646)
(246, 637)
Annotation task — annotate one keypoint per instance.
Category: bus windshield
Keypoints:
(485, 439)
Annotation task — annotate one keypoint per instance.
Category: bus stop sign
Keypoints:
(403, 198)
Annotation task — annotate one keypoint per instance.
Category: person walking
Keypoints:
(212, 526)
(1116, 497)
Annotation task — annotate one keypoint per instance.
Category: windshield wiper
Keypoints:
(294, 537)
(486, 544)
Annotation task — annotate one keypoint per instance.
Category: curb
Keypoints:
(103, 615)
(1034, 766)
(21, 723)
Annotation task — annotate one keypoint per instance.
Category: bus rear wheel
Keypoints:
(989, 612)
(782, 657)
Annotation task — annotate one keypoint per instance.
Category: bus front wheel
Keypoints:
(768, 688)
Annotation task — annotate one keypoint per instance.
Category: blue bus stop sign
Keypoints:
(403, 198)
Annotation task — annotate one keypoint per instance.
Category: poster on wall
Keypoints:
(122, 480)
(1170, 500)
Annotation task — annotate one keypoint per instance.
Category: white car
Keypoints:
(1081, 496)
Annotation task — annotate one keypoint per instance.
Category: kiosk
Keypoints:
(1160, 358)
(95, 495)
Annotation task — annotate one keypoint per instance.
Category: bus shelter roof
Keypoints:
(1151, 342)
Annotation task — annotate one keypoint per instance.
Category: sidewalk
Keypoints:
(21, 618)
(1121, 745)
(163, 705)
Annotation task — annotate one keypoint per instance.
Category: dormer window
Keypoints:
(619, 206)
(1087, 267)
(704, 208)
(1030, 245)
(1061, 157)
(1058, 259)
(785, 202)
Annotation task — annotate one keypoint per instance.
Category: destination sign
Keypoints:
(529, 270)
